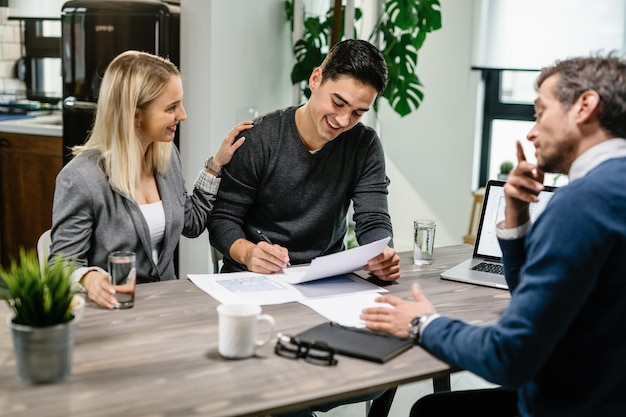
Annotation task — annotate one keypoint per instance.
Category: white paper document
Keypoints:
(345, 309)
(328, 275)
(262, 289)
(336, 264)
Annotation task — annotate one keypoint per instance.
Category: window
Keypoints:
(507, 53)
(508, 115)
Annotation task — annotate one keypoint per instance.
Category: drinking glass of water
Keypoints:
(423, 242)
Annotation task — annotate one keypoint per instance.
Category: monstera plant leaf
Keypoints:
(403, 28)
(308, 56)
(408, 15)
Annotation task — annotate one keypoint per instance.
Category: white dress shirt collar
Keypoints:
(610, 149)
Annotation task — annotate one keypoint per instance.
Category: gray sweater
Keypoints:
(90, 219)
(298, 199)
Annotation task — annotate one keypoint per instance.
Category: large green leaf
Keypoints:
(308, 56)
(404, 93)
(403, 27)
(402, 53)
(429, 15)
(403, 13)
(316, 32)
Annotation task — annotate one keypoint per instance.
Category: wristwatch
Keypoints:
(210, 165)
(416, 325)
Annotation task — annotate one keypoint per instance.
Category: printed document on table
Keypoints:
(345, 309)
(265, 289)
(245, 287)
(336, 264)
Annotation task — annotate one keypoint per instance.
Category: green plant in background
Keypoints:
(35, 300)
(351, 241)
(506, 167)
(400, 31)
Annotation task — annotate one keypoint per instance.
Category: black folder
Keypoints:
(356, 342)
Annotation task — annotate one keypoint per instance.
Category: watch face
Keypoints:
(414, 327)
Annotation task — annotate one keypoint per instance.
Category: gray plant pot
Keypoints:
(43, 354)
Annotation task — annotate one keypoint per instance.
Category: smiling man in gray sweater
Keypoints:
(300, 168)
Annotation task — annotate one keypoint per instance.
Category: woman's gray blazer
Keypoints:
(90, 219)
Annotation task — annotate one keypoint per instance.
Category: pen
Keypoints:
(267, 240)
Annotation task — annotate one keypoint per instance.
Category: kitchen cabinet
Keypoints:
(29, 165)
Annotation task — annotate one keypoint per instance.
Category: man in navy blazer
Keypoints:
(561, 342)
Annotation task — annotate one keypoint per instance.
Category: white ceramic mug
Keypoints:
(238, 329)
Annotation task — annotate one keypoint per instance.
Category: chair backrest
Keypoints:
(43, 249)
(216, 257)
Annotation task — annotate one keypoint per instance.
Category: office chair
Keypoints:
(216, 258)
(43, 249)
(485, 402)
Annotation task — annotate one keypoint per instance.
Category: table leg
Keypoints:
(441, 383)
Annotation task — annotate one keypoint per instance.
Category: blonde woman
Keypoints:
(124, 188)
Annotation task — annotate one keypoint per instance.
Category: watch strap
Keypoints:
(212, 167)
(418, 324)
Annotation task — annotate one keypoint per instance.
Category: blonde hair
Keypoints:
(131, 81)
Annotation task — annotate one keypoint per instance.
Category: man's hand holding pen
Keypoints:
(283, 255)
(276, 252)
(263, 257)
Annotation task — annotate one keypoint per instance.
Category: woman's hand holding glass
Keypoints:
(99, 288)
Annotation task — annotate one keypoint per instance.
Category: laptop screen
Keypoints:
(487, 245)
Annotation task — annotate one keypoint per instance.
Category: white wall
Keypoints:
(430, 152)
(235, 54)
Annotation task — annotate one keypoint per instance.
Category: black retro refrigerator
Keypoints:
(93, 33)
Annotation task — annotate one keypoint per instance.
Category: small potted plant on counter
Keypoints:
(42, 324)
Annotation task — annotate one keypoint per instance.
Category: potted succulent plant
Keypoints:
(505, 168)
(42, 324)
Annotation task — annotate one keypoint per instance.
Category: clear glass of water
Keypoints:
(122, 273)
(423, 242)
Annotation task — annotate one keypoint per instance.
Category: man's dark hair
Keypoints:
(604, 75)
(359, 59)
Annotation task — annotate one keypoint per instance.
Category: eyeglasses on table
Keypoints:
(315, 352)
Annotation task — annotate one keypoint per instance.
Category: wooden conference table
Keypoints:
(160, 357)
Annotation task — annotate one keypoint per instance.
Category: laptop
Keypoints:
(485, 266)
